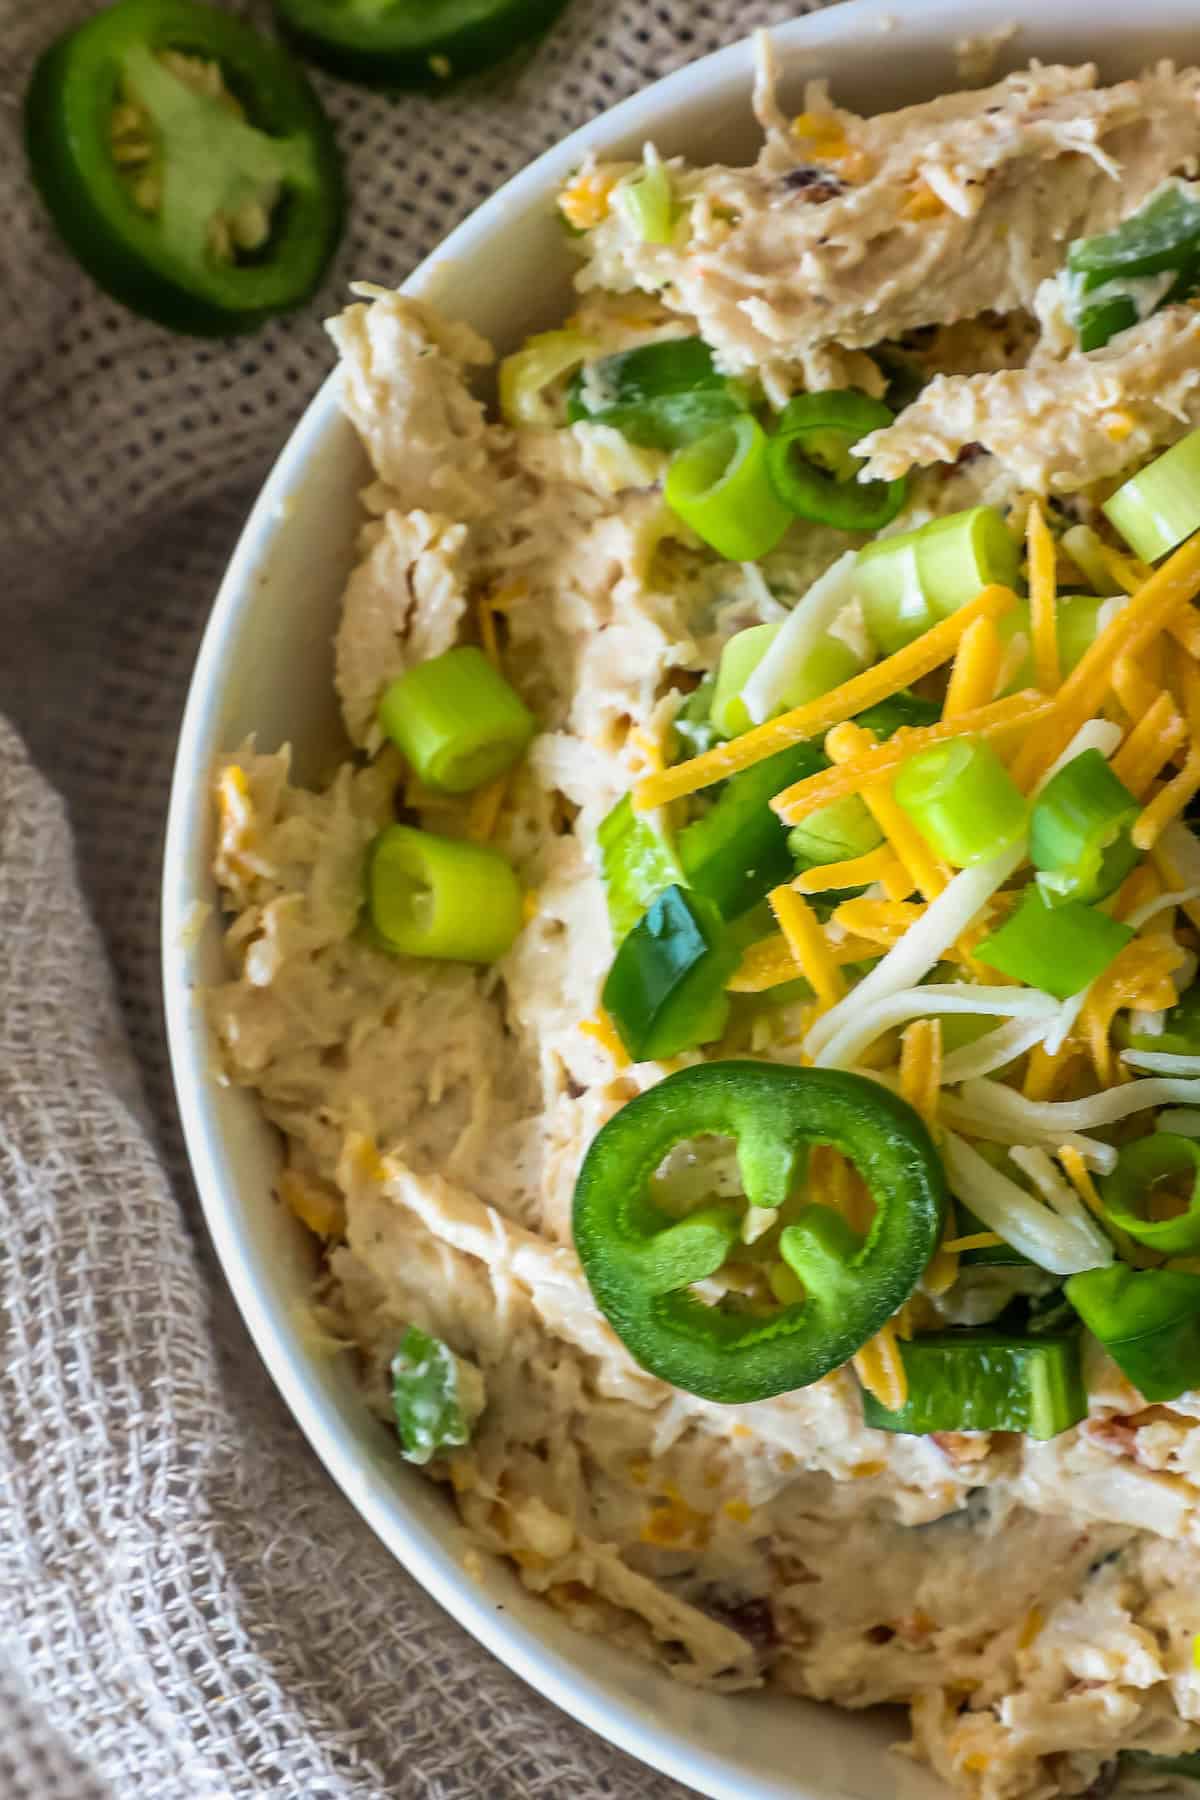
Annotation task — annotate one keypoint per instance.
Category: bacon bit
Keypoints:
(963, 1448)
(813, 186)
(914, 1627)
(1114, 1435)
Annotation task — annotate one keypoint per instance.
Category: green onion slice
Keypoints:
(457, 720)
(1059, 949)
(835, 833)
(542, 360)
(1160, 506)
(821, 666)
(814, 470)
(1153, 1170)
(441, 897)
(910, 581)
(962, 800)
(646, 201)
(720, 487)
(1079, 832)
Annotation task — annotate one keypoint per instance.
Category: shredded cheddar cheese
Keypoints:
(483, 814)
(974, 1240)
(1152, 742)
(584, 201)
(908, 846)
(880, 1368)
(1017, 712)
(921, 657)
(922, 203)
(880, 865)
(602, 1030)
(806, 941)
(976, 672)
(314, 1205)
(921, 1067)
(770, 962)
(1043, 601)
(1172, 586)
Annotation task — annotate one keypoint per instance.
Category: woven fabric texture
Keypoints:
(188, 1608)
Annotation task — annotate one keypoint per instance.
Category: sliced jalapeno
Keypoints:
(411, 43)
(187, 164)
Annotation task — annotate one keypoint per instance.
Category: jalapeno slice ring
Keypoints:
(640, 1262)
(411, 43)
(187, 164)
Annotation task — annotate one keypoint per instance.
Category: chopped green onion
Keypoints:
(636, 862)
(665, 991)
(962, 800)
(1129, 1193)
(739, 659)
(1059, 949)
(1160, 506)
(910, 581)
(692, 729)
(457, 720)
(441, 897)
(1079, 832)
(646, 201)
(436, 1397)
(835, 833)
(986, 1380)
(812, 464)
(720, 487)
(661, 396)
(823, 666)
(526, 374)
(1149, 1322)
(738, 850)
(1079, 618)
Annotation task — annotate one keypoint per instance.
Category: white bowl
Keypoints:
(265, 666)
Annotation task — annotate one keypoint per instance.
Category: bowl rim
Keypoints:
(579, 1693)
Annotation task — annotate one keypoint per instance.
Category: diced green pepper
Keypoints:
(986, 1380)
(665, 992)
(1149, 1322)
(662, 395)
(1162, 237)
(738, 851)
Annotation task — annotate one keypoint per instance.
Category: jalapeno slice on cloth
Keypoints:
(187, 164)
(411, 43)
(641, 1262)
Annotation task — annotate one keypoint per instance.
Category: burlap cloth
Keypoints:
(188, 1607)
